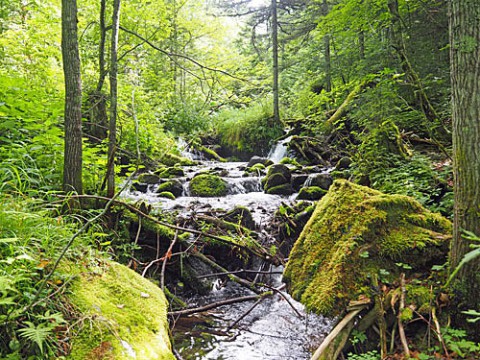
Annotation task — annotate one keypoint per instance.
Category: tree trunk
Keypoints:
(112, 136)
(465, 67)
(328, 61)
(72, 167)
(276, 102)
(101, 47)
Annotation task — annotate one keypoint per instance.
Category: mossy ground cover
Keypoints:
(355, 234)
(123, 314)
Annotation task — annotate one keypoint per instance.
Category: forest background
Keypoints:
(228, 76)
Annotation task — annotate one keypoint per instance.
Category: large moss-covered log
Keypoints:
(357, 233)
(124, 316)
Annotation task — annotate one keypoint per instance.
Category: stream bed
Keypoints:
(271, 329)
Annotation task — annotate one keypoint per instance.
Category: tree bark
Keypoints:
(72, 166)
(465, 67)
(112, 136)
(327, 54)
(276, 101)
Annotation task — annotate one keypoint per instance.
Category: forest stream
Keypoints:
(277, 327)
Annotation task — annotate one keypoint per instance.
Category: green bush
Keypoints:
(248, 129)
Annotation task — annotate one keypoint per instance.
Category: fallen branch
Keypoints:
(245, 314)
(263, 255)
(199, 309)
(249, 285)
(241, 271)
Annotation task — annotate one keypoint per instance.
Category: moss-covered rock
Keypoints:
(323, 181)
(278, 180)
(170, 159)
(259, 160)
(284, 189)
(124, 315)
(311, 193)
(257, 169)
(242, 216)
(356, 233)
(148, 179)
(173, 186)
(206, 185)
(167, 195)
(171, 172)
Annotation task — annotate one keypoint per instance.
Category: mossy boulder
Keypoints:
(148, 179)
(141, 187)
(167, 195)
(259, 160)
(170, 159)
(240, 215)
(323, 181)
(278, 180)
(311, 193)
(284, 189)
(124, 315)
(257, 169)
(171, 172)
(208, 185)
(173, 186)
(355, 234)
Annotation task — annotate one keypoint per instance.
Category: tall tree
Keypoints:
(72, 169)
(276, 100)
(112, 128)
(465, 67)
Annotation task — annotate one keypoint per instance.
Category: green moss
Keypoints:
(206, 185)
(311, 193)
(258, 168)
(290, 161)
(210, 154)
(170, 159)
(171, 172)
(119, 307)
(326, 268)
(284, 189)
(148, 178)
(167, 194)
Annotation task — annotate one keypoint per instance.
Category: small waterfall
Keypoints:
(279, 151)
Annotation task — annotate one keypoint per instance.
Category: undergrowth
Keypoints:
(32, 235)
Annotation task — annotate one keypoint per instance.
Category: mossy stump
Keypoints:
(355, 234)
(124, 315)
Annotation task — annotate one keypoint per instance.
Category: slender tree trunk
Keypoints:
(327, 54)
(72, 168)
(112, 136)
(276, 101)
(465, 67)
(101, 47)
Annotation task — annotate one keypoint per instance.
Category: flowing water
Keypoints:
(272, 329)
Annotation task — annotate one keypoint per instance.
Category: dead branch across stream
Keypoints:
(259, 252)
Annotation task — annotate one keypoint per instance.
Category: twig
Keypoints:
(401, 331)
(279, 292)
(439, 332)
(250, 309)
(166, 257)
(213, 305)
(249, 285)
(241, 271)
